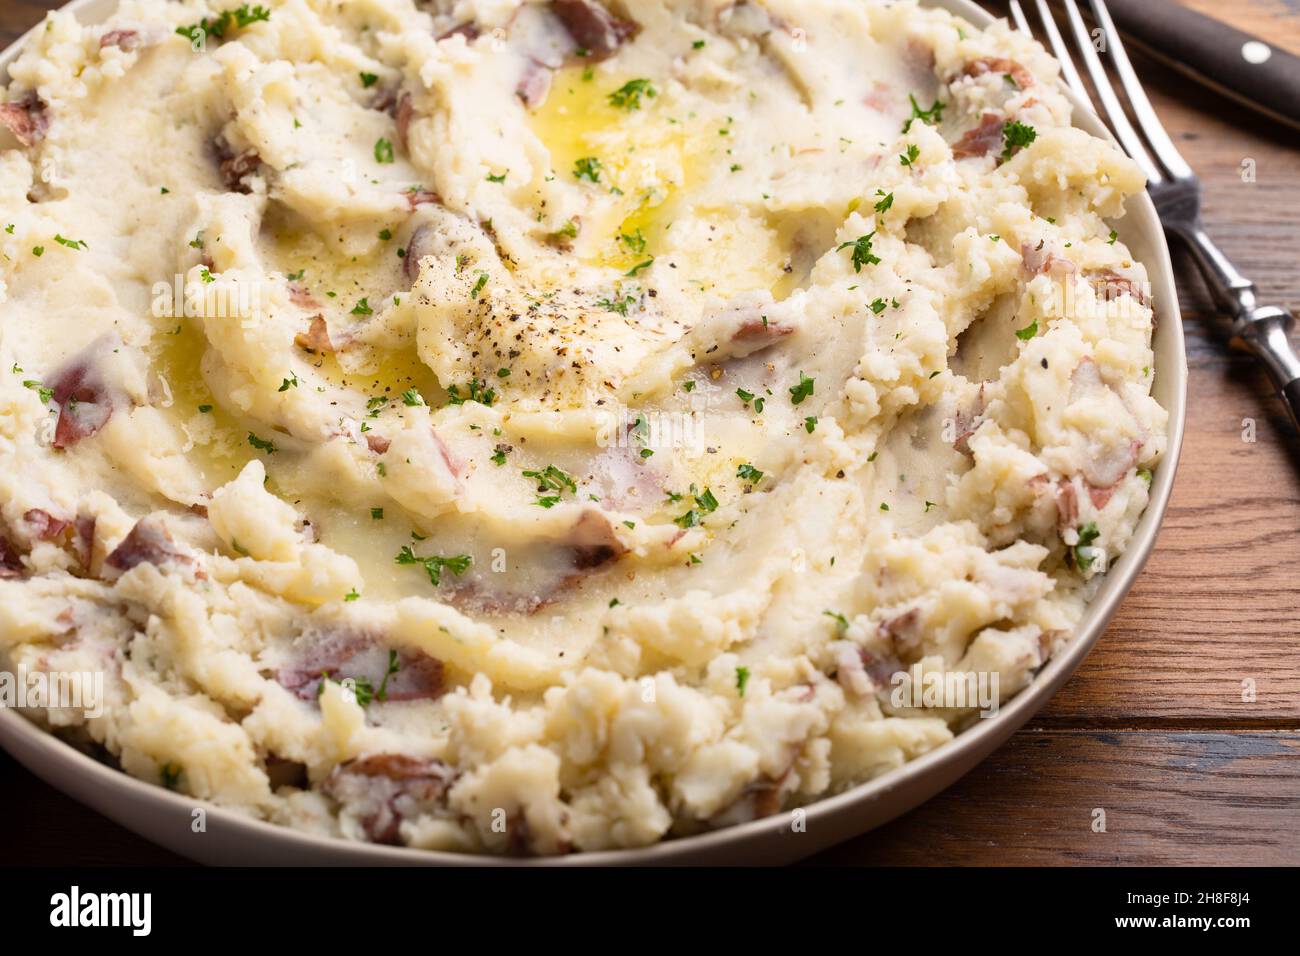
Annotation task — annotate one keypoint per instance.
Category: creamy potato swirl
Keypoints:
(553, 426)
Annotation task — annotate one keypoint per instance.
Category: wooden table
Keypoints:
(1154, 728)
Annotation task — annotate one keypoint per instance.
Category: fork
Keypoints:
(1174, 189)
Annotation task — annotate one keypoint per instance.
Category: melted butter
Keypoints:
(373, 544)
(220, 450)
(376, 373)
(328, 266)
(648, 160)
(656, 165)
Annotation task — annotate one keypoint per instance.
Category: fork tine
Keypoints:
(1018, 15)
(1147, 118)
(1110, 103)
(1062, 52)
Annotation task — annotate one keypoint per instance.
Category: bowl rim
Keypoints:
(49, 756)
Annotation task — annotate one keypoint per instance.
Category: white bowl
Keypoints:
(231, 838)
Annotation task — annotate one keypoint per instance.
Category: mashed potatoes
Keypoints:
(549, 427)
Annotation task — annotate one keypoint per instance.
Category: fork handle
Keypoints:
(1246, 68)
(1264, 330)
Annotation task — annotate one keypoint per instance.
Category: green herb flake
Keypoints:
(841, 622)
(932, 117)
(261, 444)
(434, 565)
(862, 254)
(628, 96)
(801, 391)
(1016, 136)
(1087, 535)
(588, 168)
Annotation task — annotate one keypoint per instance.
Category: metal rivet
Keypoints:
(1252, 51)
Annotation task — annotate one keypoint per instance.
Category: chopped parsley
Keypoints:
(368, 79)
(70, 243)
(226, 22)
(885, 204)
(862, 255)
(1015, 136)
(801, 391)
(747, 397)
(635, 241)
(567, 232)
(362, 308)
(551, 479)
(588, 168)
(628, 96)
(412, 398)
(810, 423)
(475, 391)
(705, 503)
(841, 622)
(639, 266)
(394, 665)
(383, 151)
(933, 116)
(261, 444)
(913, 153)
(434, 565)
(46, 394)
(617, 305)
(496, 179)
(1087, 535)
(749, 473)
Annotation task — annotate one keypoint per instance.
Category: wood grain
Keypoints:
(1155, 728)
(1167, 799)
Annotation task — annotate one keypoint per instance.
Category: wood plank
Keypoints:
(1219, 601)
(1172, 799)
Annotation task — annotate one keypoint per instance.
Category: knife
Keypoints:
(1235, 64)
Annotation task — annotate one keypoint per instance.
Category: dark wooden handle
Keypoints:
(1242, 66)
